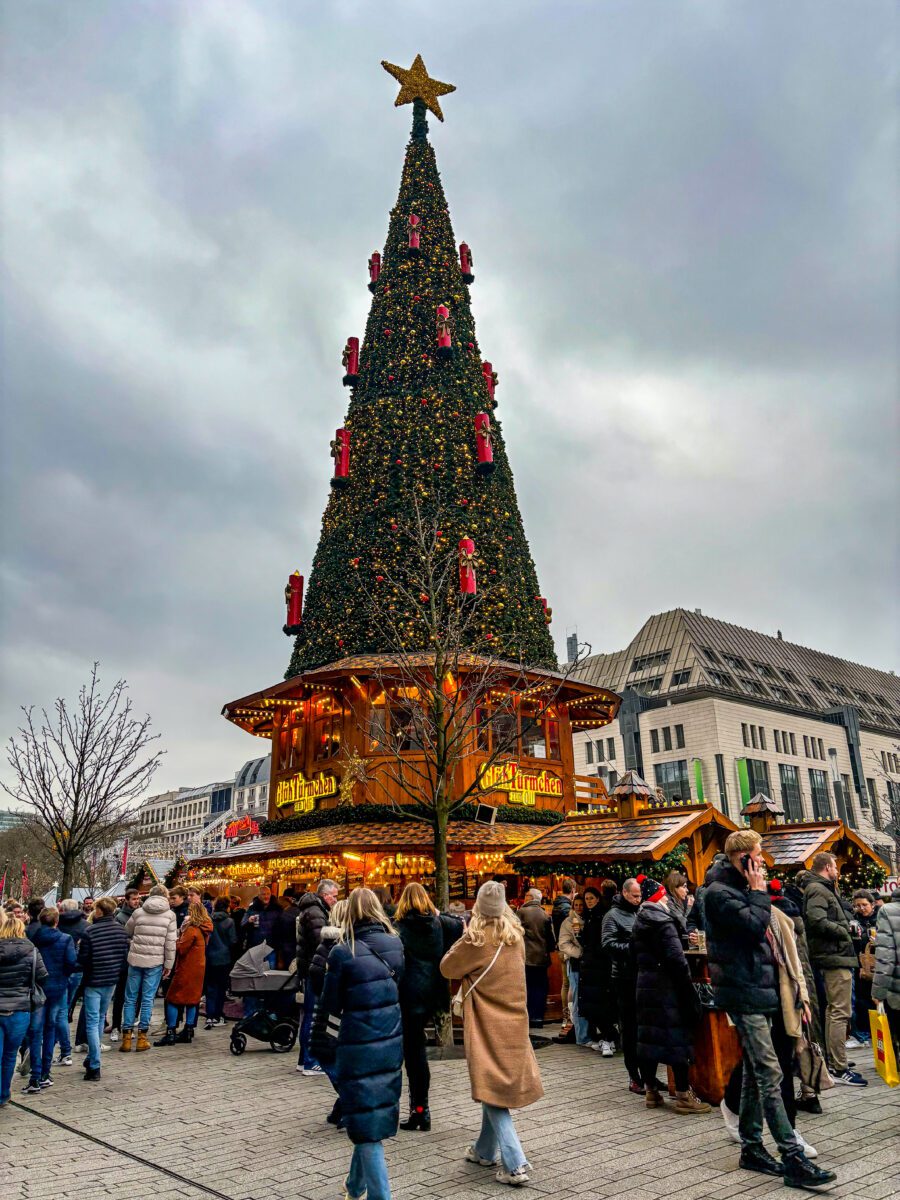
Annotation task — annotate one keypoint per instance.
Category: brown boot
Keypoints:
(687, 1104)
(127, 1035)
(653, 1096)
(143, 1042)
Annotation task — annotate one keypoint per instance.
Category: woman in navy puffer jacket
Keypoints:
(361, 989)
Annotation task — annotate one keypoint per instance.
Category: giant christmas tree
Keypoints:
(418, 413)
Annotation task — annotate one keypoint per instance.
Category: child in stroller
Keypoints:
(274, 1019)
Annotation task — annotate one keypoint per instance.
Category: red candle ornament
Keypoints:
(466, 262)
(414, 232)
(467, 582)
(374, 270)
(350, 359)
(490, 378)
(548, 612)
(444, 344)
(340, 452)
(293, 598)
(484, 444)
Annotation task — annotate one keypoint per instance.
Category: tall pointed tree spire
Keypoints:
(419, 411)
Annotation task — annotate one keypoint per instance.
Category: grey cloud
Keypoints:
(684, 224)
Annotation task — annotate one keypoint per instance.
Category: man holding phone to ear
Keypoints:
(744, 974)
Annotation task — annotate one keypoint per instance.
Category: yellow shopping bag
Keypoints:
(883, 1047)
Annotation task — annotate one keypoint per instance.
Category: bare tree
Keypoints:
(80, 770)
(442, 694)
(888, 817)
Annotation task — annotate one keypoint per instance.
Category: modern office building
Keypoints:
(10, 818)
(717, 712)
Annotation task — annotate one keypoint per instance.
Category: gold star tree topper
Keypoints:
(417, 84)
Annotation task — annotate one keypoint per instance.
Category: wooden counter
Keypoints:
(717, 1048)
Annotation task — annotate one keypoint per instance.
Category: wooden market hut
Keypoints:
(793, 846)
(637, 827)
(329, 730)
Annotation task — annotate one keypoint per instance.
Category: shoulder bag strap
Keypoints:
(381, 959)
(483, 973)
(33, 968)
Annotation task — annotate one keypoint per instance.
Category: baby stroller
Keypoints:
(275, 1021)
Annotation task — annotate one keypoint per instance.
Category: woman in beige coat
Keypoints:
(490, 960)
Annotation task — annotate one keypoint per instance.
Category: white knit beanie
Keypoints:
(491, 899)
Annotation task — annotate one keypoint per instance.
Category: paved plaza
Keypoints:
(194, 1122)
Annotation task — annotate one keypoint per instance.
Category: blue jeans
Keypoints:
(142, 983)
(56, 1028)
(306, 1058)
(36, 1040)
(582, 1028)
(368, 1172)
(95, 1003)
(190, 1015)
(13, 1027)
(761, 1089)
(499, 1133)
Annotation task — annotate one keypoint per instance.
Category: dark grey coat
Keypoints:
(667, 1006)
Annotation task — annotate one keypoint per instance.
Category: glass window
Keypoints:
(654, 740)
(753, 740)
(672, 777)
(552, 727)
(821, 750)
(679, 736)
(667, 737)
(793, 744)
(789, 676)
(680, 678)
(600, 755)
(611, 749)
(532, 740)
(378, 724)
(850, 817)
(762, 738)
(818, 786)
(790, 792)
(758, 775)
(777, 742)
(806, 745)
(328, 727)
(504, 729)
(745, 733)
(589, 751)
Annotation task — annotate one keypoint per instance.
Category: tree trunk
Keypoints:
(68, 867)
(441, 873)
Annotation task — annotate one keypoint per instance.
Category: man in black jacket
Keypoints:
(744, 972)
(314, 908)
(616, 941)
(101, 952)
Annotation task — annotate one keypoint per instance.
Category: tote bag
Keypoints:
(883, 1046)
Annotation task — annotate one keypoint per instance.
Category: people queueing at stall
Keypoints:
(793, 965)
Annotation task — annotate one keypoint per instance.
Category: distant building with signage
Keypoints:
(10, 818)
(713, 711)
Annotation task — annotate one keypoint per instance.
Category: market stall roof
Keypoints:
(595, 706)
(387, 835)
(794, 845)
(588, 839)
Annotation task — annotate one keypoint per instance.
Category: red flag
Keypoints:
(124, 860)
(25, 887)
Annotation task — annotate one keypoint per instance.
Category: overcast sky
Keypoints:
(684, 219)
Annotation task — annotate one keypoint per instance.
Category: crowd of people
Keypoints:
(793, 966)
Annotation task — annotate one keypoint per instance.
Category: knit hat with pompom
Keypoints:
(650, 888)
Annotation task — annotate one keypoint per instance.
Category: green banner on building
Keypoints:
(744, 781)
(698, 778)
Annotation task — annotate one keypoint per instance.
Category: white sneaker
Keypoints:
(299, 1068)
(114, 1035)
(607, 1049)
(312, 1072)
(852, 1043)
(473, 1156)
(808, 1150)
(514, 1178)
(81, 1048)
(593, 1045)
(103, 1046)
(732, 1122)
(64, 1060)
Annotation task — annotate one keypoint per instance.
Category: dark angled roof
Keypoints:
(585, 840)
(794, 845)
(366, 835)
(761, 803)
(679, 652)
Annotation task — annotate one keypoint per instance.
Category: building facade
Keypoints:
(713, 711)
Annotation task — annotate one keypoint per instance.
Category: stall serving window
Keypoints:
(530, 731)
(327, 726)
(396, 721)
(291, 741)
